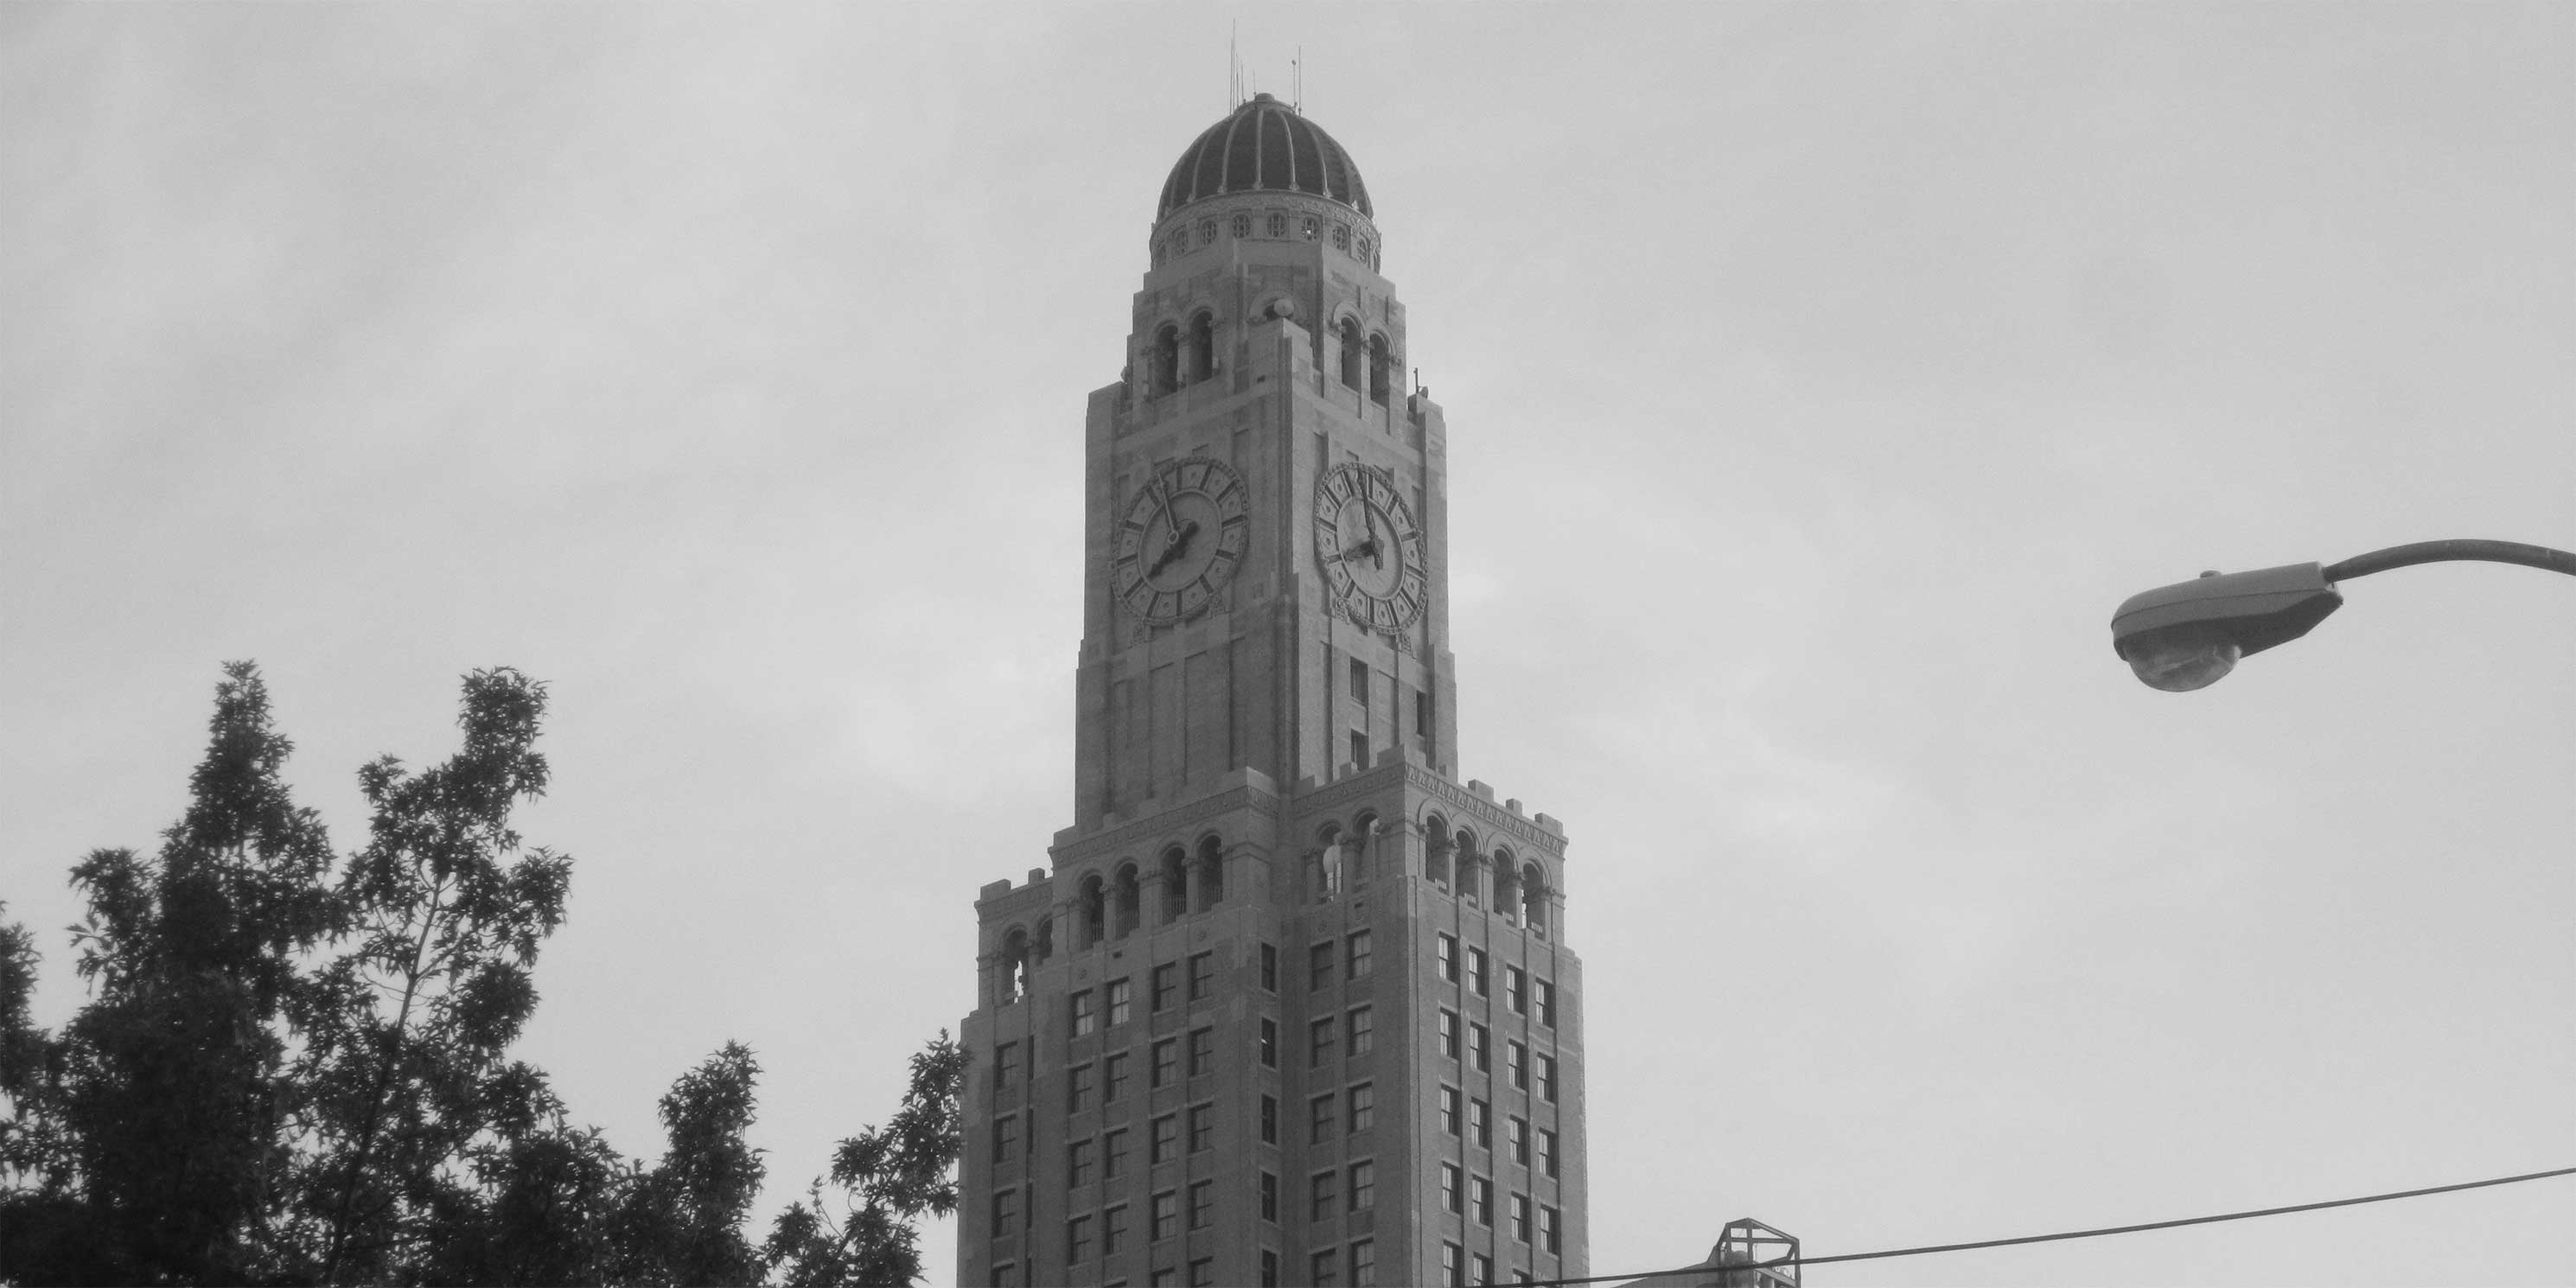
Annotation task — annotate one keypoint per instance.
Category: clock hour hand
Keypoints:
(1368, 548)
(1174, 548)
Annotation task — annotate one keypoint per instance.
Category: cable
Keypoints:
(2051, 1238)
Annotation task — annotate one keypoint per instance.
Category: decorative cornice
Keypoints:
(1455, 794)
(1179, 819)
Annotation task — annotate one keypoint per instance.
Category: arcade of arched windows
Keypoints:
(1110, 906)
(1517, 887)
(1182, 236)
(1183, 353)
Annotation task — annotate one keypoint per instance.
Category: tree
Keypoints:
(890, 1177)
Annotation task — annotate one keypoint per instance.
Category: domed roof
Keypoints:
(1264, 146)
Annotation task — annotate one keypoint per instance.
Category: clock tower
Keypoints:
(1290, 1002)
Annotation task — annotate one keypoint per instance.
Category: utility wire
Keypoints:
(1783, 1262)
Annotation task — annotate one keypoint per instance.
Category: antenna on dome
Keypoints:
(1297, 82)
(1233, 67)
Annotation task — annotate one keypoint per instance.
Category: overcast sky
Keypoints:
(1818, 380)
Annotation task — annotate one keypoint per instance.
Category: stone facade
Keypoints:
(1291, 1004)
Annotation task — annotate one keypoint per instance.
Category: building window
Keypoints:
(1363, 1107)
(1547, 1078)
(1359, 749)
(1269, 1120)
(1006, 1137)
(1447, 957)
(1202, 975)
(1113, 1230)
(1077, 1088)
(1364, 1263)
(1269, 1197)
(1547, 1003)
(1546, 1151)
(1516, 1064)
(1453, 1265)
(1547, 1229)
(1453, 1185)
(1319, 966)
(1341, 237)
(1480, 1200)
(1519, 1134)
(1381, 370)
(1202, 1272)
(1122, 995)
(1077, 1164)
(1077, 1240)
(1319, 1042)
(1323, 1269)
(1313, 227)
(1476, 971)
(1521, 1217)
(1278, 225)
(1005, 1272)
(1364, 253)
(1202, 1204)
(1202, 1128)
(1113, 1154)
(1202, 1051)
(1167, 1216)
(1006, 1065)
(1320, 1196)
(1166, 981)
(1269, 968)
(1165, 1144)
(1319, 1118)
(1484, 1269)
(1207, 232)
(1269, 1044)
(1359, 681)
(1006, 1212)
(1480, 1124)
(1449, 1110)
(1516, 989)
(1113, 1078)
(1086, 1017)
(1449, 1033)
(1167, 1062)
(1243, 225)
(1363, 1190)
(1358, 1035)
(1356, 960)
(1479, 1057)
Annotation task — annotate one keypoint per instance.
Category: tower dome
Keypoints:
(1264, 146)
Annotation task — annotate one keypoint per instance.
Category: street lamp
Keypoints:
(2188, 636)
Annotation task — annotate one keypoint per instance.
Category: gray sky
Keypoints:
(1819, 378)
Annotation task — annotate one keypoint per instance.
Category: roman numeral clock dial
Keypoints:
(1180, 540)
(1370, 547)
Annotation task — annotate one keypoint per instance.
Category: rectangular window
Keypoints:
(1319, 966)
(1077, 1163)
(1006, 1137)
(1269, 984)
(1479, 1057)
(1122, 997)
(1520, 1217)
(1319, 1042)
(1202, 1051)
(1356, 957)
(1319, 1118)
(1447, 958)
(1167, 1062)
(1202, 1127)
(1320, 1196)
(1167, 983)
(1453, 1265)
(1449, 1110)
(1269, 1044)
(1364, 1263)
(1363, 1107)
(1269, 1269)
(1202, 1204)
(1547, 1003)
(1516, 1064)
(1164, 1146)
(1086, 1016)
(1202, 1272)
(1363, 1188)
(1453, 1188)
(1547, 1078)
(1323, 1269)
(1006, 1065)
(1113, 1230)
(1113, 1153)
(1480, 1200)
(1269, 1197)
(1449, 1033)
(1422, 715)
(1269, 1120)
(1005, 1273)
(1202, 975)
(1476, 971)
(1006, 1212)
(1113, 1078)
(1163, 1277)
(1547, 1229)
(1077, 1240)
(1547, 1151)
(1480, 1124)
(1167, 1216)
(1358, 1034)
(1520, 1140)
(1359, 680)
(1077, 1088)
(1359, 749)
(1484, 1269)
(1516, 990)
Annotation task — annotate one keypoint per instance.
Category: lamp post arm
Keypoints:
(2512, 552)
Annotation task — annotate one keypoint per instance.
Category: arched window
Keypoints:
(1180, 239)
(1469, 867)
(1330, 862)
(1352, 361)
(1011, 971)
(1242, 226)
(1362, 850)
(1176, 885)
(1341, 237)
(1095, 911)
(1365, 256)
(1207, 232)
(1202, 347)
(1507, 885)
(1211, 873)
(1131, 899)
(1313, 227)
(1045, 939)
(1381, 368)
(1278, 225)
(1435, 851)
(1534, 897)
(1167, 360)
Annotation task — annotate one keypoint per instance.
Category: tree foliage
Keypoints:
(889, 1177)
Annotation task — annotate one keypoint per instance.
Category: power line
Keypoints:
(2070, 1234)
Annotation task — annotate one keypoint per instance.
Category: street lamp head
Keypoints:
(2190, 635)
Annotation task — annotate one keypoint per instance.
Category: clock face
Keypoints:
(1180, 540)
(1370, 547)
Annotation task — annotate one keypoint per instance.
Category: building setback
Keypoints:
(1292, 1004)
